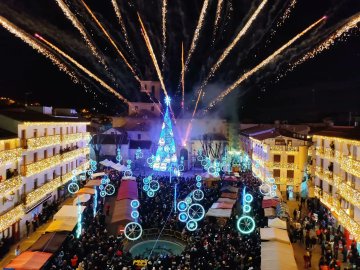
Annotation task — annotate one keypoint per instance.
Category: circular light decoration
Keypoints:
(182, 206)
(154, 185)
(90, 172)
(146, 180)
(248, 198)
(200, 158)
(133, 231)
(188, 200)
(109, 189)
(274, 187)
(198, 185)
(103, 181)
(73, 188)
(135, 214)
(191, 225)
(198, 178)
(196, 212)
(103, 193)
(128, 173)
(271, 180)
(183, 217)
(150, 160)
(150, 193)
(146, 187)
(135, 204)
(216, 174)
(198, 195)
(273, 193)
(246, 208)
(245, 224)
(181, 167)
(211, 170)
(265, 189)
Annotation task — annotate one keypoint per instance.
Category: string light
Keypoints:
(40, 142)
(50, 124)
(10, 185)
(351, 165)
(11, 217)
(39, 193)
(72, 138)
(10, 156)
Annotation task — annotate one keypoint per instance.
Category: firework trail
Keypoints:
(123, 28)
(33, 43)
(327, 43)
(217, 18)
(81, 67)
(261, 65)
(81, 29)
(182, 76)
(109, 38)
(215, 67)
(197, 33)
(152, 54)
(164, 13)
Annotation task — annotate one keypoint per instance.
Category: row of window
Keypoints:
(63, 130)
(290, 158)
(289, 173)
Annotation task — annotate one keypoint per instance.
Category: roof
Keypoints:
(352, 133)
(24, 115)
(256, 129)
(109, 139)
(279, 132)
(142, 126)
(4, 135)
(214, 137)
(142, 97)
(141, 144)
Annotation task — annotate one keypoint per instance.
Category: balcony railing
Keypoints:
(328, 153)
(284, 148)
(326, 176)
(9, 156)
(281, 165)
(10, 185)
(351, 165)
(41, 142)
(71, 138)
(11, 217)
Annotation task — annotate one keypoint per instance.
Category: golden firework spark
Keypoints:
(164, 12)
(217, 17)
(82, 68)
(33, 43)
(152, 54)
(67, 12)
(109, 39)
(218, 63)
(182, 76)
(261, 65)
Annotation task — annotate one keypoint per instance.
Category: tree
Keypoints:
(212, 147)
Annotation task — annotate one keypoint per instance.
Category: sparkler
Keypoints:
(67, 12)
(287, 13)
(152, 54)
(33, 43)
(261, 65)
(81, 67)
(217, 17)
(215, 67)
(164, 12)
(110, 39)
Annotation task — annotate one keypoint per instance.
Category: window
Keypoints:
(45, 178)
(279, 142)
(145, 86)
(330, 189)
(152, 108)
(153, 90)
(290, 174)
(35, 157)
(139, 136)
(54, 151)
(277, 158)
(289, 143)
(35, 183)
(290, 159)
(45, 154)
(45, 131)
(54, 131)
(7, 146)
(35, 133)
(276, 173)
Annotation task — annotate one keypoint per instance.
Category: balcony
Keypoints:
(351, 165)
(347, 192)
(284, 148)
(328, 153)
(53, 161)
(34, 196)
(75, 137)
(41, 142)
(11, 217)
(10, 156)
(10, 185)
(326, 176)
(278, 165)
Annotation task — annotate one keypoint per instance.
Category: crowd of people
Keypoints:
(313, 225)
(214, 245)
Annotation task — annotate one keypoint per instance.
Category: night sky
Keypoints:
(328, 85)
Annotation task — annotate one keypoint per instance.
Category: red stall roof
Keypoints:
(29, 260)
(128, 190)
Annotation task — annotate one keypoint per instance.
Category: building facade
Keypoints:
(336, 174)
(47, 151)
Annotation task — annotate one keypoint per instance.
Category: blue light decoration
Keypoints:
(183, 217)
(138, 153)
(105, 187)
(196, 212)
(118, 155)
(73, 187)
(133, 230)
(268, 188)
(95, 201)
(165, 158)
(246, 224)
(128, 171)
(79, 225)
(182, 206)
(150, 186)
(191, 225)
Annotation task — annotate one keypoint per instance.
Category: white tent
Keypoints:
(277, 255)
(81, 198)
(219, 213)
(274, 234)
(226, 200)
(269, 212)
(105, 162)
(68, 212)
(95, 175)
(119, 167)
(277, 223)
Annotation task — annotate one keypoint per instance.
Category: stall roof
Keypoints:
(29, 260)
(122, 212)
(219, 213)
(277, 255)
(274, 234)
(49, 242)
(93, 183)
(229, 195)
(62, 225)
(226, 200)
(230, 189)
(128, 190)
(222, 205)
(277, 223)
(86, 190)
(68, 212)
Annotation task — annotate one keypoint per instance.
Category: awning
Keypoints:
(277, 255)
(122, 212)
(128, 190)
(68, 212)
(86, 190)
(229, 195)
(222, 205)
(277, 223)
(81, 198)
(93, 183)
(119, 167)
(132, 178)
(29, 260)
(229, 189)
(62, 225)
(226, 200)
(269, 203)
(208, 176)
(230, 178)
(269, 212)
(99, 174)
(49, 242)
(274, 234)
(226, 213)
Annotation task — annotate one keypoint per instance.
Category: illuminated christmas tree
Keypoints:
(165, 158)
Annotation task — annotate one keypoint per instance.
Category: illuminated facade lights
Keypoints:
(11, 217)
(9, 156)
(75, 137)
(41, 142)
(10, 185)
(42, 191)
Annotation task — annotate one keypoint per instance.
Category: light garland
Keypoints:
(278, 165)
(339, 140)
(9, 156)
(74, 154)
(326, 176)
(351, 165)
(71, 138)
(283, 148)
(42, 191)
(40, 142)
(10, 185)
(11, 217)
(55, 123)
